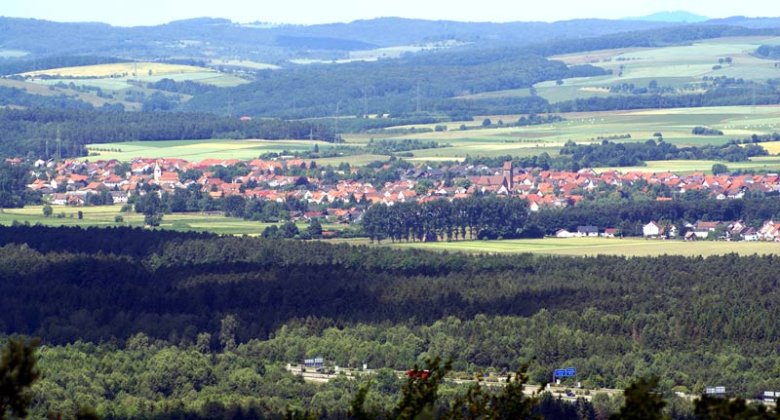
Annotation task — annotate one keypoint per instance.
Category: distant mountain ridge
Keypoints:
(209, 37)
(677, 16)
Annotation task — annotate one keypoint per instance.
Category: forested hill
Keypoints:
(389, 86)
(260, 41)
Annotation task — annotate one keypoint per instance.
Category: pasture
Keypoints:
(634, 247)
(103, 216)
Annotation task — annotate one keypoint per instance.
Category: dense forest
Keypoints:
(419, 82)
(156, 380)
(693, 321)
(26, 132)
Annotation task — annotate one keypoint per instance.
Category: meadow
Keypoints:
(634, 247)
(104, 216)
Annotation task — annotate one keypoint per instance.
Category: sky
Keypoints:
(153, 12)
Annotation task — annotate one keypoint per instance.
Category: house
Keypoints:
(563, 233)
(119, 197)
(750, 234)
(590, 231)
(651, 230)
(702, 229)
(611, 232)
(770, 231)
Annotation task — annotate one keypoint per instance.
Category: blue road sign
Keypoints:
(565, 373)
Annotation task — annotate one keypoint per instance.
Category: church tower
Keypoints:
(508, 174)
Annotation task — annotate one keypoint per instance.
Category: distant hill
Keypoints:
(208, 38)
(679, 16)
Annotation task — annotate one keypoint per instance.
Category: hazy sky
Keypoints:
(148, 12)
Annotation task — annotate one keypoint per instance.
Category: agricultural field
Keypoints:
(4, 53)
(246, 64)
(497, 140)
(680, 67)
(116, 77)
(634, 247)
(44, 90)
(196, 150)
(104, 216)
(116, 69)
(761, 163)
(675, 125)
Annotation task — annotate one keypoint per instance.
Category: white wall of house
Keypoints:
(651, 229)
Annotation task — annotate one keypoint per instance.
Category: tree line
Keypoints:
(27, 132)
(636, 153)
(153, 379)
(476, 217)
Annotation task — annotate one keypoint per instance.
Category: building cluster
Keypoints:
(70, 181)
(719, 230)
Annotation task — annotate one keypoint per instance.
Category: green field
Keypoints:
(680, 67)
(118, 76)
(197, 150)
(601, 246)
(49, 90)
(103, 216)
(762, 163)
(675, 125)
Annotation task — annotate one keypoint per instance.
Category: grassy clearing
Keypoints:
(103, 216)
(601, 246)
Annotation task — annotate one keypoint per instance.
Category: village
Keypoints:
(343, 196)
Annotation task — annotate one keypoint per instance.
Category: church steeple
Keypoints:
(508, 174)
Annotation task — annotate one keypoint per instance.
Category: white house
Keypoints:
(651, 229)
(563, 233)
